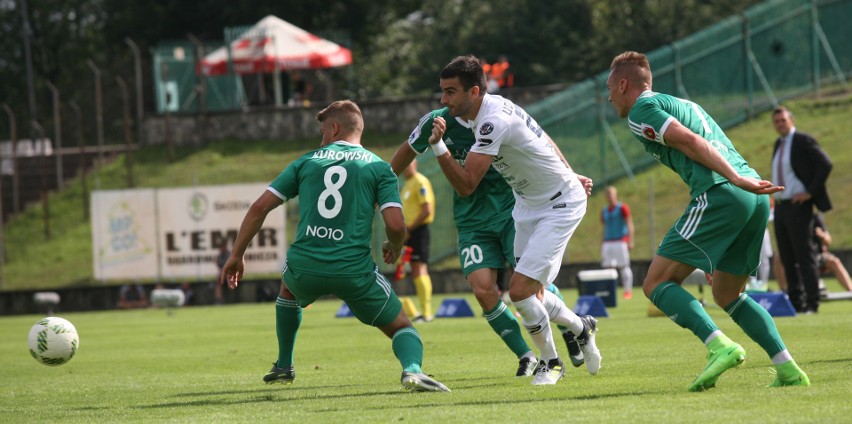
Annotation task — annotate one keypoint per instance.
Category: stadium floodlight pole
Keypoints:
(13, 132)
(57, 133)
(99, 109)
(82, 162)
(137, 71)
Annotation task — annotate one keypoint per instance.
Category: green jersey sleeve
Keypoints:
(286, 184)
(388, 186)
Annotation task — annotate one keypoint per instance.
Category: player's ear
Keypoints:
(475, 91)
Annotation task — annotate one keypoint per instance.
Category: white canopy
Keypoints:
(274, 44)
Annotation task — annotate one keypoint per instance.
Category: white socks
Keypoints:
(560, 313)
(537, 324)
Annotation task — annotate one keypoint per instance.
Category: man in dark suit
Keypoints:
(802, 167)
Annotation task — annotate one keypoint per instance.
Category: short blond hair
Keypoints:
(633, 67)
(345, 113)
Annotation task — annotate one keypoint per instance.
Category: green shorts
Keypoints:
(369, 296)
(488, 247)
(721, 229)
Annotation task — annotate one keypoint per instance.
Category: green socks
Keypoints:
(506, 326)
(408, 348)
(682, 308)
(288, 317)
(756, 323)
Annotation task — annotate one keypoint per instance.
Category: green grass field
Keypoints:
(204, 364)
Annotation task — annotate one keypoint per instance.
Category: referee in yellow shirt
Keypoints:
(418, 207)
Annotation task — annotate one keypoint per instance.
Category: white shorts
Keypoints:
(542, 233)
(615, 254)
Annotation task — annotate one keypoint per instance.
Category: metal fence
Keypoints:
(735, 69)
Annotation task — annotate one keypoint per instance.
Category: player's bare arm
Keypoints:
(402, 157)
(234, 268)
(700, 150)
(464, 179)
(586, 181)
(395, 231)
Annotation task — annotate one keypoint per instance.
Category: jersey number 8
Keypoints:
(332, 189)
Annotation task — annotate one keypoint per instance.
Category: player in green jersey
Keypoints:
(721, 230)
(338, 186)
(486, 235)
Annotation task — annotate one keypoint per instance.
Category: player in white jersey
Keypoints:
(550, 201)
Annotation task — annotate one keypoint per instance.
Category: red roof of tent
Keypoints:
(271, 41)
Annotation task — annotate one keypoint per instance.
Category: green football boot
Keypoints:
(718, 361)
(789, 374)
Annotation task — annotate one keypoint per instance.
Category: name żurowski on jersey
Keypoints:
(353, 155)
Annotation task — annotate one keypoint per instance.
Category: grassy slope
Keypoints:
(66, 259)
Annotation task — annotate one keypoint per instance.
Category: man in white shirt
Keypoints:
(550, 201)
(802, 167)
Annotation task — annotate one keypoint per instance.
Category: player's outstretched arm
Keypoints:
(234, 268)
(700, 150)
(402, 157)
(464, 179)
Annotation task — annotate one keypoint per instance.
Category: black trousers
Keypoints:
(794, 234)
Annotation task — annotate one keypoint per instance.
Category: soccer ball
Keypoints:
(53, 341)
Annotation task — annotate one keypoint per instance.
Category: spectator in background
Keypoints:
(302, 90)
(492, 86)
(501, 72)
(418, 207)
(802, 167)
(132, 296)
(618, 235)
(826, 261)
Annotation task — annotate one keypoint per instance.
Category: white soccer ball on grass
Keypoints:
(53, 341)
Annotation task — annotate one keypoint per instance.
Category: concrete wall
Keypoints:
(384, 115)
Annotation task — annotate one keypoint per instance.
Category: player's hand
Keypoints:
(232, 272)
(389, 253)
(757, 186)
(587, 184)
(439, 126)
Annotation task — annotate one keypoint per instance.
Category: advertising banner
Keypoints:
(124, 234)
(177, 232)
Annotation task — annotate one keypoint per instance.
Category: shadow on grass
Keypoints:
(281, 396)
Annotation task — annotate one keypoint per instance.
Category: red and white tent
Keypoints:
(276, 45)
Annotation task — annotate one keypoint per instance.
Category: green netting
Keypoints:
(736, 68)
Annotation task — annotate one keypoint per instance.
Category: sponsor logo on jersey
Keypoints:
(486, 128)
(649, 132)
(448, 141)
(560, 206)
(485, 141)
